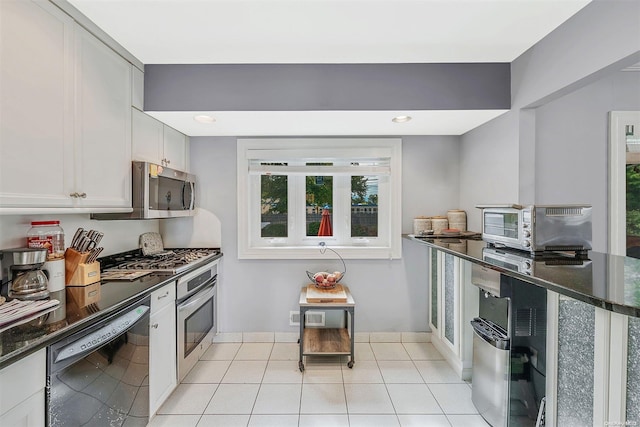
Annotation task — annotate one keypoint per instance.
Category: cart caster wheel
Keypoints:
(350, 364)
(301, 366)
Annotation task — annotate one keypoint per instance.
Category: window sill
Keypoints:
(313, 252)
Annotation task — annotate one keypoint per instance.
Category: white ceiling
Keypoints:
(316, 123)
(327, 31)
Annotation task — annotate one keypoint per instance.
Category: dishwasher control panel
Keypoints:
(102, 335)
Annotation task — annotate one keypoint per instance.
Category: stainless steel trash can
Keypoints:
(491, 371)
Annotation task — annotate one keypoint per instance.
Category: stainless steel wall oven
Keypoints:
(196, 315)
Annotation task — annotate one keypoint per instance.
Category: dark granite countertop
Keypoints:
(610, 282)
(22, 340)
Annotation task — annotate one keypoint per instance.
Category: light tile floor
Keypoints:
(259, 384)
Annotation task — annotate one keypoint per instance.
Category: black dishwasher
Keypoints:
(100, 375)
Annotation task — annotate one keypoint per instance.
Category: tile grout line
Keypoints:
(344, 384)
(253, 407)
(427, 385)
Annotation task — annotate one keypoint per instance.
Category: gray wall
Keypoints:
(572, 145)
(257, 295)
(488, 172)
(601, 38)
(595, 43)
(119, 236)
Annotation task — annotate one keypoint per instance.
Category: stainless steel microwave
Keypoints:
(538, 228)
(157, 192)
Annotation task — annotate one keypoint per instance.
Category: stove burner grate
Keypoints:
(171, 260)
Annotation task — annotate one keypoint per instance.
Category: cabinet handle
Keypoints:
(74, 195)
(164, 296)
(83, 195)
(168, 161)
(154, 326)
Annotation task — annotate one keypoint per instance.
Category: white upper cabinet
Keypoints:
(158, 143)
(147, 134)
(65, 122)
(137, 96)
(36, 106)
(103, 124)
(175, 149)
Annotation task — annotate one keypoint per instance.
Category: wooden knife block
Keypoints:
(84, 295)
(77, 272)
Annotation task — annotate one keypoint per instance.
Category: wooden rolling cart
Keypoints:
(327, 341)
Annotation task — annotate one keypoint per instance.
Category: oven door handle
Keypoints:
(203, 293)
(211, 282)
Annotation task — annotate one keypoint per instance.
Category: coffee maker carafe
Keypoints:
(22, 273)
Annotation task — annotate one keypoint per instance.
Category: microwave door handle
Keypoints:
(193, 195)
(188, 205)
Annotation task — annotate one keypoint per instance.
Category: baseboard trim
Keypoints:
(289, 337)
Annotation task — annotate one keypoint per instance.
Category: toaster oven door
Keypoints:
(502, 226)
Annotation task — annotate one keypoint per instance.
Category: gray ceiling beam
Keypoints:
(324, 87)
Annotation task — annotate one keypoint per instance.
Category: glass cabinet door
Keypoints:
(433, 273)
(449, 285)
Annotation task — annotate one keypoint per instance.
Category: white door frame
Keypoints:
(617, 178)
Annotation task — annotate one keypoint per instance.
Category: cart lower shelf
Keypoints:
(326, 341)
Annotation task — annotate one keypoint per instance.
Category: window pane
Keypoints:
(319, 190)
(274, 210)
(364, 206)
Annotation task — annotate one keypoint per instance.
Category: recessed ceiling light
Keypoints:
(401, 119)
(203, 118)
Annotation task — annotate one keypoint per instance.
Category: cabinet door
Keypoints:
(137, 89)
(434, 300)
(175, 148)
(450, 284)
(162, 356)
(147, 135)
(19, 383)
(103, 124)
(29, 413)
(36, 77)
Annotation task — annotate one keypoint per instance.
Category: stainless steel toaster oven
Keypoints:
(538, 228)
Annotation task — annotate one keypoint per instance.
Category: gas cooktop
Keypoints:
(174, 260)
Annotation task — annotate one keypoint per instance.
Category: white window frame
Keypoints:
(296, 151)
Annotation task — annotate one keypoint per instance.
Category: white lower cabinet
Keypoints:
(453, 304)
(162, 346)
(22, 397)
